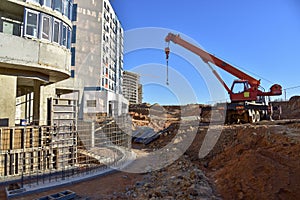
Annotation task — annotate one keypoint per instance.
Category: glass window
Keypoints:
(74, 34)
(47, 3)
(65, 6)
(239, 87)
(56, 31)
(74, 12)
(72, 73)
(70, 7)
(46, 27)
(69, 38)
(34, 1)
(91, 103)
(73, 54)
(31, 23)
(64, 31)
(9, 27)
(57, 4)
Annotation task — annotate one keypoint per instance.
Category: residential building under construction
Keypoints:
(132, 90)
(48, 89)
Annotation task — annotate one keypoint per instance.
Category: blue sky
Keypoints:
(259, 37)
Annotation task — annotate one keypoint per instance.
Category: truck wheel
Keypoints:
(257, 116)
(252, 116)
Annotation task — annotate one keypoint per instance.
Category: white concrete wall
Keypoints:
(8, 86)
(102, 102)
(46, 92)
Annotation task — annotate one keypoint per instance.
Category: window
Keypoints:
(239, 87)
(70, 7)
(74, 34)
(74, 12)
(69, 38)
(65, 6)
(56, 31)
(64, 31)
(34, 1)
(72, 73)
(57, 4)
(91, 103)
(46, 27)
(10, 27)
(42, 26)
(47, 3)
(31, 23)
(73, 56)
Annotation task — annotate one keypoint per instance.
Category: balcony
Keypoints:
(36, 59)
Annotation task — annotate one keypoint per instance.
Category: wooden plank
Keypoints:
(5, 139)
(17, 140)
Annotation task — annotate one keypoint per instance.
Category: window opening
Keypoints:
(31, 23)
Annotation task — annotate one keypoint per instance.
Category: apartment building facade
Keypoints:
(59, 60)
(98, 60)
(132, 89)
(35, 41)
(35, 54)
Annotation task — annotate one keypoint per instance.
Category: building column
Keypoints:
(8, 95)
(36, 102)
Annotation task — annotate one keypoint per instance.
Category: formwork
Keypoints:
(34, 156)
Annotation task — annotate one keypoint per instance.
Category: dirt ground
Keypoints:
(105, 187)
(249, 161)
(256, 162)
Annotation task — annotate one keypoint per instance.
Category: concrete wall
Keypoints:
(8, 86)
(103, 99)
(46, 61)
(45, 93)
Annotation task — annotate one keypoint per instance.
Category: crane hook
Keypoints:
(167, 51)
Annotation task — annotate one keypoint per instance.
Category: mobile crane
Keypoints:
(248, 105)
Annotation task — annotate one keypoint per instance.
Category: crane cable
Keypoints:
(248, 71)
(167, 51)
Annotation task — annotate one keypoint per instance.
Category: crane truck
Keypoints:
(246, 106)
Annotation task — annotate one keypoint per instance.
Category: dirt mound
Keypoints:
(181, 180)
(160, 117)
(290, 109)
(259, 164)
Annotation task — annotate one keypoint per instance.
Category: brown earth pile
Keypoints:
(181, 180)
(249, 161)
(290, 109)
(252, 161)
(259, 164)
(259, 161)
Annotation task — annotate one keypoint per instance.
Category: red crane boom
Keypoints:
(248, 105)
(251, 90)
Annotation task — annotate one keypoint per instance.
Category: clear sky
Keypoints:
(259, 37)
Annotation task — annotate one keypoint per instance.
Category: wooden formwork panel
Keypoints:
(2, 166)
(28, 137)
(5, 139)
(36, 137)
(18, 138)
